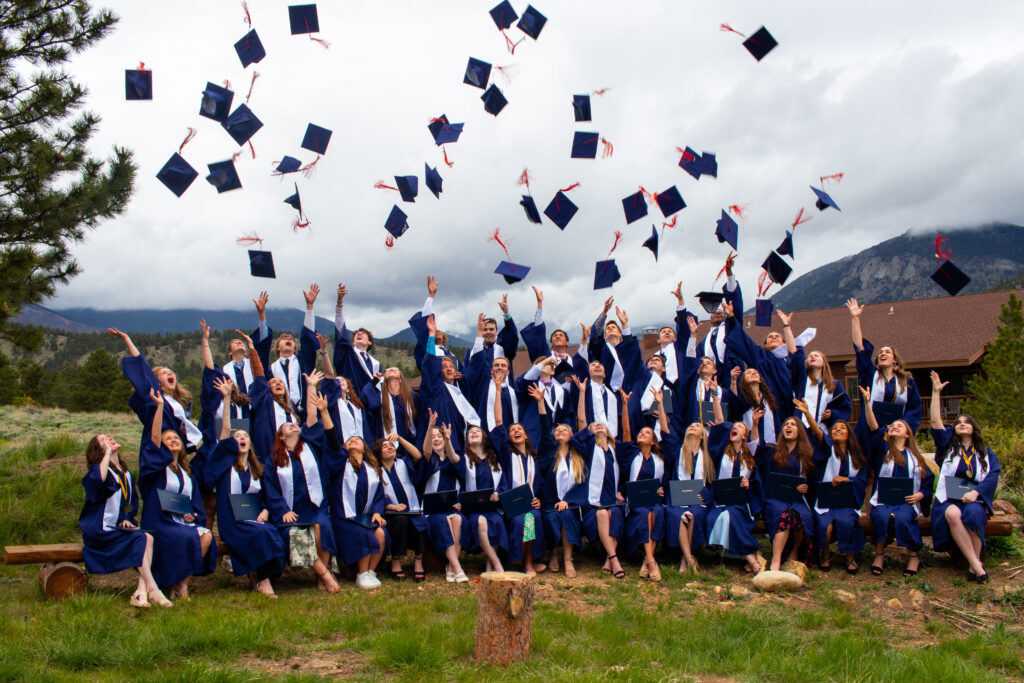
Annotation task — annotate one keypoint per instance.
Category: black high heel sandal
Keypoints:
(619, 574)
(876, 570)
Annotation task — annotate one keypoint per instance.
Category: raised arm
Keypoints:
(498, 416)
(329, 372)
(428, 434)
(855, 311)
(158, 417)
(254, 356)
(716, 401)
(413, 452)
(627, 434)
(787, 329)
(869, 412)
(449, 449)
(581, 407)
(312, 380)
(814, 428)
(132, 351)
(659, 397)
(224, 387)
(936, 402)
(207, 354)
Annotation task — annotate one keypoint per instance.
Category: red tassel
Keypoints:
(835, 178)
(299, 224)
(441, 119)
(227, 83)
(739, 210)
(323, 42)
(141, 68)
(255, 75)
(939, 253)
(252, 149)
(722, 271)
(618, 236)
(607, 149)
(307, 170)
(687, 156)
(601, 91)
(671, 223)
(726, 27)
(649, 196)
(234, 157)
(381, 185)
(249, 240)
(524, 179)
(509, 44)
(188, 138)
(764, 283)
(570, 188)
(449, 164)
(248, 17)
(496, 237)
(800, 218)
(506, 72)
(389, 242)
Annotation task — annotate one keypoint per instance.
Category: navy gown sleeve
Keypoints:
(221, 458)
(865, 366)
(508, 337)
(798, 373)
(840, 404)
(941, 438)
(734, 297)
(418, 325)
(912, 410)
(536, 339)
(860, 485)
(478, 374)
(262, 346)
(629, 355)
(308, 346)
(262, 422)
(99, 490)
(987, 487)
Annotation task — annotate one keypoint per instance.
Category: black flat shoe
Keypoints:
(825, 566)
(419, 577)
(981, 578)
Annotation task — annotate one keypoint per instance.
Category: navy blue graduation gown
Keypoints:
(780, 374)
(210, 401)
(529, 416)
(773, 509)
(354, 540)
(438, 474)
(263, 420)
(891, 391)
(908, 532)
(628, 351)
(435, 396)
(671, 446)
(108, 502)
(570, 520)
(508, 338)
(601, 485)
(137, 371)
(638, 531)
(331, 390)
(371, 398)
(848, 532)
(510, 459)
(348, 361)
(839, 404)
(742, 518)
(973, 515)
(483, 478)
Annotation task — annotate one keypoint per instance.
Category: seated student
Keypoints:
(398, 475)
(732, 526)
(566, 474)
(294, 481)
(642, 460)
(111, 538)
(352, 356)
(894, 453)
(437, 472)
(270, 409)
(960, 451)
(823, 394)
(287, 369)
(234, 469)
(788, 522)
(837, 460)
(479, 469)
(347, 410)
(602, 518)
(182, 545)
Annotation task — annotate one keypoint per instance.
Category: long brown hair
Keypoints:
(827, 380)
(896, 456)
(490, 455)
(744, 455)
(709, 466)
(281, 451)
(897, 367)
(954, 447)
(180, 393)
(255, 466)
(804, 449)
(370, 455)
(94, 455)
(353, 397)
(407, 401)
(181, 457)
(747, 391)
(852, 446)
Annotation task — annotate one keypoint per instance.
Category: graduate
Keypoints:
(838, 459)
(960, 451)
(673, 341)
(287, 369)
(238, 368)
(824, 395)
(347, 410)
(483, 392)
(883, 375)
(697, 386)
(490, 342)
(392, 406)
(352, 357)
(438, 472)
(589, 392)
(257, 550)
(182, 545)
(788, 522)
(270, 409)
(295, 480)
(894, 453)
(565, 478)
(479, 469)
(732, 526)
(357, 509)
(615, 347)
(556, 399)
(603, 518)
(714, 344)
(540, 345)
(111, 539)
(642, 460)
(750, 399)
(398, 477)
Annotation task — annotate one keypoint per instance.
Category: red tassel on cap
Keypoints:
(570, 188)
(509, 44)
(252, 149)
(389, 243)
(234, 157)
(249, 239)
(524, 179)
(507, 72)
(496, 237)
(323, 42)
(607, 149)
(300, 223)
(939, 253)
(447, 163)
(800, 218)
(671, 223)
(381, 185)
(255, 75)
(649, 196)
(141, 68)
(739, 210)
(618, 236)
(687, 156)
(835, 178)
(307, 170)
(227, 83)
(764, 283)
(726, 27)
(248, 17)
(601, 91)
(188, 139)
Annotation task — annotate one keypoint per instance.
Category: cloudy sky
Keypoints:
(914, 102)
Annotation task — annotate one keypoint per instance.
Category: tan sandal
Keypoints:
(158, 598)
(655, 571)
(138, 599)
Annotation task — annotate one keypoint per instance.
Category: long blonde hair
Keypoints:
(709, 467)
(576, 462)
(180, 393)
(407, 401)
(896, 456)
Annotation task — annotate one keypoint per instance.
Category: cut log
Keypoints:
(62, 580)
(34, 554)
(504, 618)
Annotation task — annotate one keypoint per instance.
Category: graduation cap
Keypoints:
(216, 102)
(138, 84)
(584, 145)
(303, 19)
(512, 272)
(786, 247)
(726, 230)
(443, 131)
(778, 270)
(692, 163)
(635, 207)
(240, 424)
(177, 174)
(223, 176)
(432, 179)
(295, 201)
(288, 165)
(408, 187)
(316, 139)
(824, 201)
(242, 124)
(760, 43)
(250, 49)
(494, 100)
(606, 273)
(560, 210)
(261, 264)
(670, 201)
(950, 278)
(503, 15)
(530, 207)
(652, 242)
(477, 73)
(532, 22)
(396, 223)
(710, 301)
(563, 371)
(763, 312)
(581, 107)
(709, 164)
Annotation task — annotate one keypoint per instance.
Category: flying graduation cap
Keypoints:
(303, 19)
(177, 174)
(138, 83)
(494, 100)
(824, 201)
(250, 49)
(560, 210)
(532, 22)
(288, 165)
(530, 207)
(478, 73)
(223, 176)
(763, 312)
(216, 102)
(503, 15)
(408, 187)
(512, 272)
(316, 138)
(777, 269)
(948, 276)
(634, 206)
(652, 242)
(670, 201)
(242, 124)
(432, 179)
(698, 164)
(584, 145)
(261, 264)
(786, 248)
(443, 131)
(295, 201)
(606, 273)
(726, 230)
(581, 107)
(758, 44)
(397, 222)
(710, 301)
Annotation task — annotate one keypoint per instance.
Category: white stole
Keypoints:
(948, 469)
(638, 462)
(183, 487)
(229, 370)
(491, 397)
(307, 461)
(236, 483)
(471, 466)
(564, 477)
(817, 396)
(610, 419)
(668, 354)
(193, 436)
(769, 423)
(112, 506)
(351, 420)
(399, 476)
(348, 489)
(519, 474)
(281, 416)
(292, 381)
(463, 405)
(596, 481)
(718, 351)
(889, 467)
(878, 389)
(698, 466)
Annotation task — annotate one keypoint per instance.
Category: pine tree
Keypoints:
(99, 384)
(998, 392)
(51, 190)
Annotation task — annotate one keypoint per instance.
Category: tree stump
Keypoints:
(62, 580)
(504, 618)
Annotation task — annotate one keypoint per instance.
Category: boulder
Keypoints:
(772, 581)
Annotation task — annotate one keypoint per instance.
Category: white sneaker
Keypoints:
(376, 581)
(365, 581)
(461, 577)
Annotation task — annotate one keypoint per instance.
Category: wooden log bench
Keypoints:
(994, 527)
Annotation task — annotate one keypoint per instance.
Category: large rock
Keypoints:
(798, 568)
(772, 581)
(1004, 507)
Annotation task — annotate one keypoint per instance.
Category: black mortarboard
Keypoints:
(692, 163)
(138, 84)
(432, 179)
(494, 100)
(763, 312)
(560, 210)
(223, 176)
(295, 201)
(670, 201)
(177, 174)
(444, 131)
(950, 278)
(530, 207)
(778, 269)
(478, 73)
(606, 273)
(240, 424)
(652, 242)
(584, 145)
(581, 107)
(250, 49)
(634, 206)
(727, 230)
(512, 272)
(824, 201)
(710, 301)
(303, 19)
(316, 139)
(532, 22)
(288, 165)
(563, 371)
(709, 164)
(504, 15)
(408, 187)
(786, 248)
(760, 43)
(242, 124)
(261, 264)
(396, 223)
(216, 103)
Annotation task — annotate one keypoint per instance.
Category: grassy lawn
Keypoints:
(703, 627)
